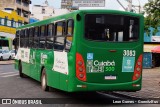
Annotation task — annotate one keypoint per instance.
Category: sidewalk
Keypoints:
(150, 85)
(6, 62)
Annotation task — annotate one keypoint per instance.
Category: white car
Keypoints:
(13, 54)
(5, 55)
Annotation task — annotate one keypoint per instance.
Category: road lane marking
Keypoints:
(10, 75)
(4, 73)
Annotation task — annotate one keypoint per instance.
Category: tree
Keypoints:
(152, 12)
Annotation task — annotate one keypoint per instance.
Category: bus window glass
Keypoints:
(50, 38)
(114, 28)
(17, 40)
(42, 39)
(22, 38)
(36, 37)
(36, 32)
(31, 32)
(42, 31)
(17, 34)
(31, 37)
(36, 42)
(69, 35)
(59, 43)
(4, 43)
(26, 38)
(49, 43)
(59, 29)
(70, 27)
(50, 30)
(59, 37)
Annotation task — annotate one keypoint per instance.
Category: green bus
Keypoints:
(85, 50)
(5, 43)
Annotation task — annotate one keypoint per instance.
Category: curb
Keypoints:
(7, 62)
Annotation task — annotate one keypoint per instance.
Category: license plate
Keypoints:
(110, 77)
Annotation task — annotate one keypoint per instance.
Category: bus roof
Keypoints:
(71, 14)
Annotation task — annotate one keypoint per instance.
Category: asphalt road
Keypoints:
(12, 86)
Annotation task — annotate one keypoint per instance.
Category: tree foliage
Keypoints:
(152, 12)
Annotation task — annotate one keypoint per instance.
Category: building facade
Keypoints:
(45, 11)
(9, 20)
(66, 4)
(20, 6)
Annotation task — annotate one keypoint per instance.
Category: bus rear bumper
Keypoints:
(127, 86)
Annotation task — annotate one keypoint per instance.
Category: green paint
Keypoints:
(109, 68)
(100, 50)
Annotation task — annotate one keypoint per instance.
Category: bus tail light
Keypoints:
(138, 69)
(80, 67)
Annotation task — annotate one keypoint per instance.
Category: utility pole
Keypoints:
(129, 8)
(130, 5)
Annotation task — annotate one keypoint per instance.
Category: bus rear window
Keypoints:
(114, 28)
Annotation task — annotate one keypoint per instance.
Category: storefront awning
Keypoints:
(156, 49)
(150, 47)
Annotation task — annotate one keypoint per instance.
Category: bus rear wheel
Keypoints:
(44, 81)
(20, 70)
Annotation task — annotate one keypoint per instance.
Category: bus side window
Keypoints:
(30, 37)
(36, 37)
(22, 38)
(42, 39)
(50, 38)
(69, 34)
(17, 40)
(26, 40)
(59, 36)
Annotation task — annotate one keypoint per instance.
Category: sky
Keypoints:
(109, 4)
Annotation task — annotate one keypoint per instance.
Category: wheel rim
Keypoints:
(43, 81)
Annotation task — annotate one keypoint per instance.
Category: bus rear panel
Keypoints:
(109, 52)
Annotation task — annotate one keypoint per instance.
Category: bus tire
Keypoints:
(1, 59)
(44, 81)
(9, 58)
(20, 70)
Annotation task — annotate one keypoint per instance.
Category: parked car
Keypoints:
(13, 54)
(5, 54)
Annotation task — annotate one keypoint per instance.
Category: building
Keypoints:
(21, 6)
(66, 4)
(151, 56)
(9, 20)
(45, 11)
